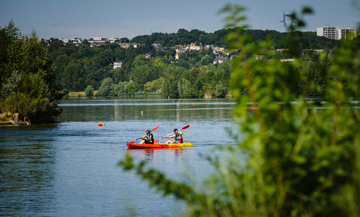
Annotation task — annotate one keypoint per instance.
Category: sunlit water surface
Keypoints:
(70, 169)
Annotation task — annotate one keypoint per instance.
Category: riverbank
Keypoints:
(137, 94)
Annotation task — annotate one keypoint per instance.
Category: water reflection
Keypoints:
(157, 155)
(26, 170)
(153, 109)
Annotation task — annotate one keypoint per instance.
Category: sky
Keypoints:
(129, 18)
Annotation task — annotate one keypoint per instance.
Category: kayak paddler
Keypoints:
(148, 138)
(178, 136)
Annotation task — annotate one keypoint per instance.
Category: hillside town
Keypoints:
(326, 31)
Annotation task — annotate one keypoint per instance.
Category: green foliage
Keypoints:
(302, 157)
(89, 91)
(65, 92)
(106, 86)
(27, 82)
(153, 85)
(131, 88)
(220, 90)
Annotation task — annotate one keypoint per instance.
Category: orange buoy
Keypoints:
(100, 124)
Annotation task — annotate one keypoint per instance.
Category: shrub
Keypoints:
(89, 91)
(65, 92)
(105, 87)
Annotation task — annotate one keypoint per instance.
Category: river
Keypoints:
(70, 169)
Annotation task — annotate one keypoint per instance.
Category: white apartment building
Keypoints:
(97, 39)
(336, 33)
(348, 33)
(329, 32)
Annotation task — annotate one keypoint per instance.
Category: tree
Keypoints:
(28, 79)
(131, 88)
(184, 88)
(105, 87)
(89, 91)
(220, 90)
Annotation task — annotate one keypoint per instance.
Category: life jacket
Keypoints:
(151, 140)
(178, 139)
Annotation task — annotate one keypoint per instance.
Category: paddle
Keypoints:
(187, 126)
(151, 131)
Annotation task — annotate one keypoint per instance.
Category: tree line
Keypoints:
(192, 75)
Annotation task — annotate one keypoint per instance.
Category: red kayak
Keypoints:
(252, 108)
(131, 145)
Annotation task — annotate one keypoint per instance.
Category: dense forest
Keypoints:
(192, 75)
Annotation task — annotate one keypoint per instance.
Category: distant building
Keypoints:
(348, 33)
(97, 39)
(194, 47)
(207, 47)
(147, 56)
(113, 39)
(179, 48)
(329, 32)
(135, 45)
(125, 45)
(117, 64)
(177, 55)
(216, 50)
(287, 60)
(218, 59)
(64, 40)
(157, 46)
(76, 41)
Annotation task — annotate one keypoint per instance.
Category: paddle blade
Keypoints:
(155, 128)
(156, 140)
(187, 126)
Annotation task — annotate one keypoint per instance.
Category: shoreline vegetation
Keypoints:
(27, 81)
(82, 94)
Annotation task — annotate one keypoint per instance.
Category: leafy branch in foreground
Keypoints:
(302, 157)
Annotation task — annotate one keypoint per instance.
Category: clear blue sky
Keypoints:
(128, 18)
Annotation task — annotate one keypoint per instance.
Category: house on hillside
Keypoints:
(157, 46)
(194, 47)
(177, 55)
(135, 45)
(179, 48)
(147, 56)
(218, 59)
(125, 45)
(117, 64)
(216, 50)
(207, 47)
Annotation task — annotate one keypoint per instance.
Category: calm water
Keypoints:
(69, 169)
